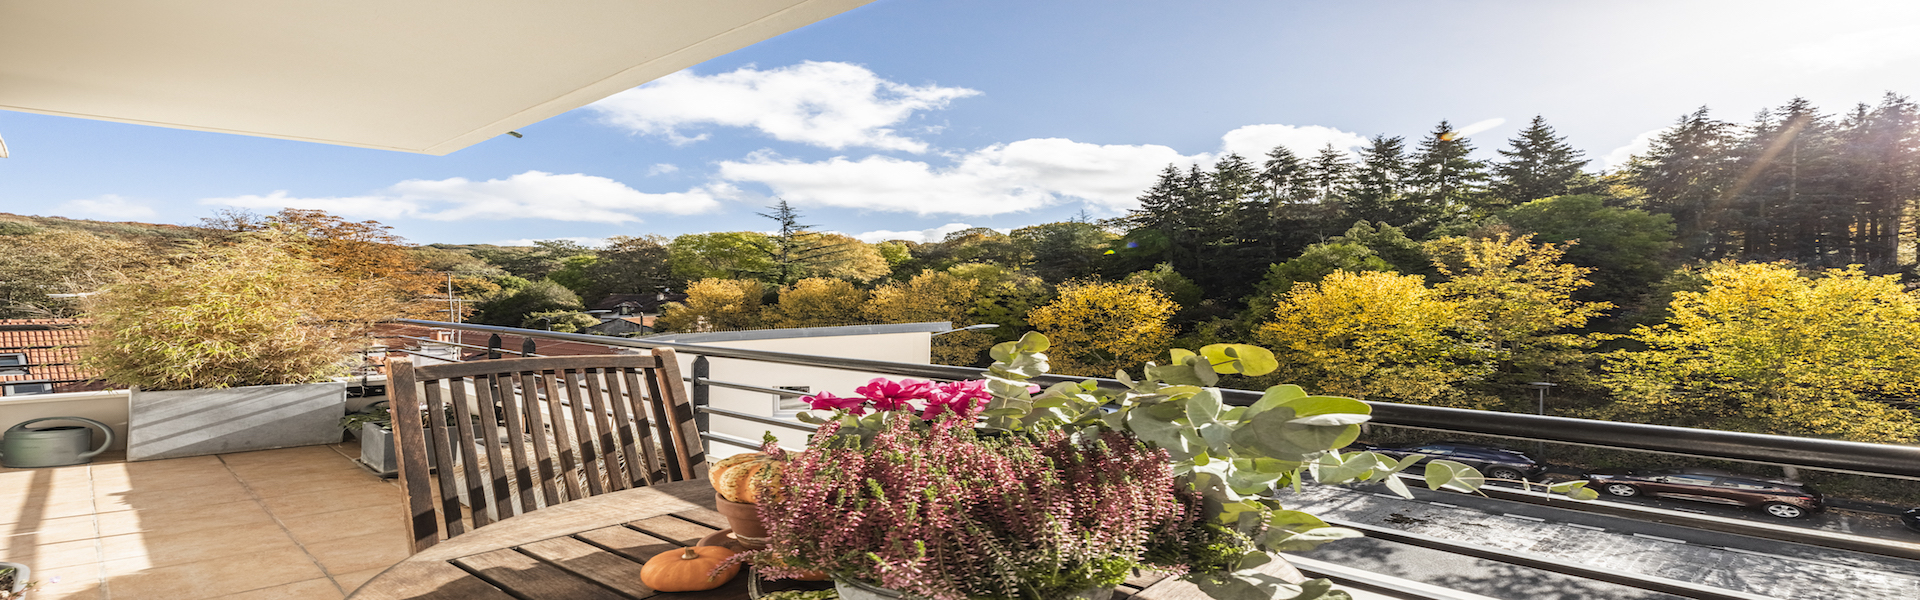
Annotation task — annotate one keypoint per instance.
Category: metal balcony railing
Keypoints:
(1876, 460)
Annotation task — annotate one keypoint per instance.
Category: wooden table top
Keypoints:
(592, 549)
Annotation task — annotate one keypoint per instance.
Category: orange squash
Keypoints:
(734, 477)
(686, 570)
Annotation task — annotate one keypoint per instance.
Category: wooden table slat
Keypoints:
(626, 542)
(583, 559)
(706, 517)
(678, 530)
(527, 577)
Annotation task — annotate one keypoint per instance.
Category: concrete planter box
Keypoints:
(217, 421)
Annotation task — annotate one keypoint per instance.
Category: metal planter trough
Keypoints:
(175, 424)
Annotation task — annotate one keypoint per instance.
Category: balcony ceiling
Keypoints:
(422, 76)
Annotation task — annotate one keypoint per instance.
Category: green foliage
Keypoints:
(1540, 165)
(820, 302)
(254, 312)
(1371, 335)
(1627, 249)
(572, 273)
(1102, 326)
(511, 308)
(1064, 250)
(722, 255)
(1767, 350)
(934, 296)
(563, 321)
(61, 261)
(717, 305)
(1319, 261)
(1176, 287)
(1516, 306)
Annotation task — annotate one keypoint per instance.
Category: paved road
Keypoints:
(1728, 561)
(1867, 520)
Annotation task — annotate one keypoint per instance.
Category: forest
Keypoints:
(1748, 276)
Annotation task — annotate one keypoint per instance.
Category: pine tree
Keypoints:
(796, 250)
(1879, 160)
(1785, 203)
(1379, 191)
(1683, 175)
(1446, 182)
(1283, 177)
(1540, 165)
(1329, 174)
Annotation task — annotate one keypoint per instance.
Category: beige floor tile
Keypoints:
(312, 482)
(311, 589)
(182, 518)
(47, 531)
(189, 464)
(147, 482)
(362, 552)
(308, 529)
(333, 500)
(172, 548)
(141, 499)
(30, 512)
(353, 581)
(278, 456)
(55, 555)
(67, 583)
(134, 578)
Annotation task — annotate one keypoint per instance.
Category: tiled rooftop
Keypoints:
(290, 524)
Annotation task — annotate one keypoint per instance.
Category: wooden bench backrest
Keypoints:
(575, 426)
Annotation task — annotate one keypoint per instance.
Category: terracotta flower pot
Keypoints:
(745, 519)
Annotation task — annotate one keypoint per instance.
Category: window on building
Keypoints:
(27, 389)
(13, 360)
(783, 405)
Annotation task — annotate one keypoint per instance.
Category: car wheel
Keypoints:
(1506, 473)
(1622, 490)
(1784, 510)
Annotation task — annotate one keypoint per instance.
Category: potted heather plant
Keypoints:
(999, 489)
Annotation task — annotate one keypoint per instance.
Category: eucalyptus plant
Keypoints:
(1234, 456)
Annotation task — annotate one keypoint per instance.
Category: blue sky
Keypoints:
(907, 118)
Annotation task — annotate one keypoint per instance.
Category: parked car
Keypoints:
(1495, 463)
(1911, 519)
(1782, 498)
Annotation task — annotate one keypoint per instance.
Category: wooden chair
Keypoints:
(576, 426)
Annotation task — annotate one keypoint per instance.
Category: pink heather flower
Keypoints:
(960, 397)
(828, 401)
(895, 395)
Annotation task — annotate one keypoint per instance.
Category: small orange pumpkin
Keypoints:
(687, 569)
(735, 475)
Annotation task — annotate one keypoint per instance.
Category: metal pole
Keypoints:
(453, 307)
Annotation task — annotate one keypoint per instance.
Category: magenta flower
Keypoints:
(828, 401)
(962, 398)
(895, 395)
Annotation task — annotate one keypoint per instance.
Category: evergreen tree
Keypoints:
(796, 251)
(1447, 183)
(1784, 205)
(1683, 176)
(1540, 165)
(1380, 184)
(1283, 178)
(1329, 174)
(1879, 161)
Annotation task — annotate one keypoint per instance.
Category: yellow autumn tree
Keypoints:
(1099, 327)
(717, 305)
(1766, 349)
(820, 302)
(1370, 335)
(934, 296)
(1516, 305)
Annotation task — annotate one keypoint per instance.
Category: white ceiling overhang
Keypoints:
(427, 76)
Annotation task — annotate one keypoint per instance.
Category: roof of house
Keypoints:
(645, 302)
(52, 351)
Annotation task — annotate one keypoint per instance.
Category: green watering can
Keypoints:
(52, 446)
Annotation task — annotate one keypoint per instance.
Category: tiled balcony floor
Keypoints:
(290, 524)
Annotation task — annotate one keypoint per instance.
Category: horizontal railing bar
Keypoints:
(1350, 577)
(470, 346)
(1885, 460)
(1644, 582)
(747, 387)
(1649, 514)
(736, 441)
(757, 418)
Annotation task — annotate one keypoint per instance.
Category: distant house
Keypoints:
(41, 356)
(624, 326)
(631, 305)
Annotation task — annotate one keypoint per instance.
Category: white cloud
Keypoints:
(529, 195)
(1640, 145)
(923, 236)
(1481, 126)
(111, 206)
(1015, 177)
(828, 104)
(662, 169)
(1254, 141)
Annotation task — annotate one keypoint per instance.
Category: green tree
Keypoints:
(1381, 185)
(1765, 349)
(1516, 306)
(1098, 327)
(717, 305)
(1063, 250)
(630, 265)
(1329, 174)
(720, 255)
(1628, 249)
(57, 261)
(929, 297)
(1370, 335)
(1539, 165)
(1683, 175)
(511, 308)
(1447, 181)
(563, 321)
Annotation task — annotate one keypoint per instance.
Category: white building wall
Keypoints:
(108, 407)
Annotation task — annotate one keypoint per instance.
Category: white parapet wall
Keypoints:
(108, 407)
(909, 343)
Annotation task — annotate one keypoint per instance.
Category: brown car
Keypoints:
(1782, 498)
